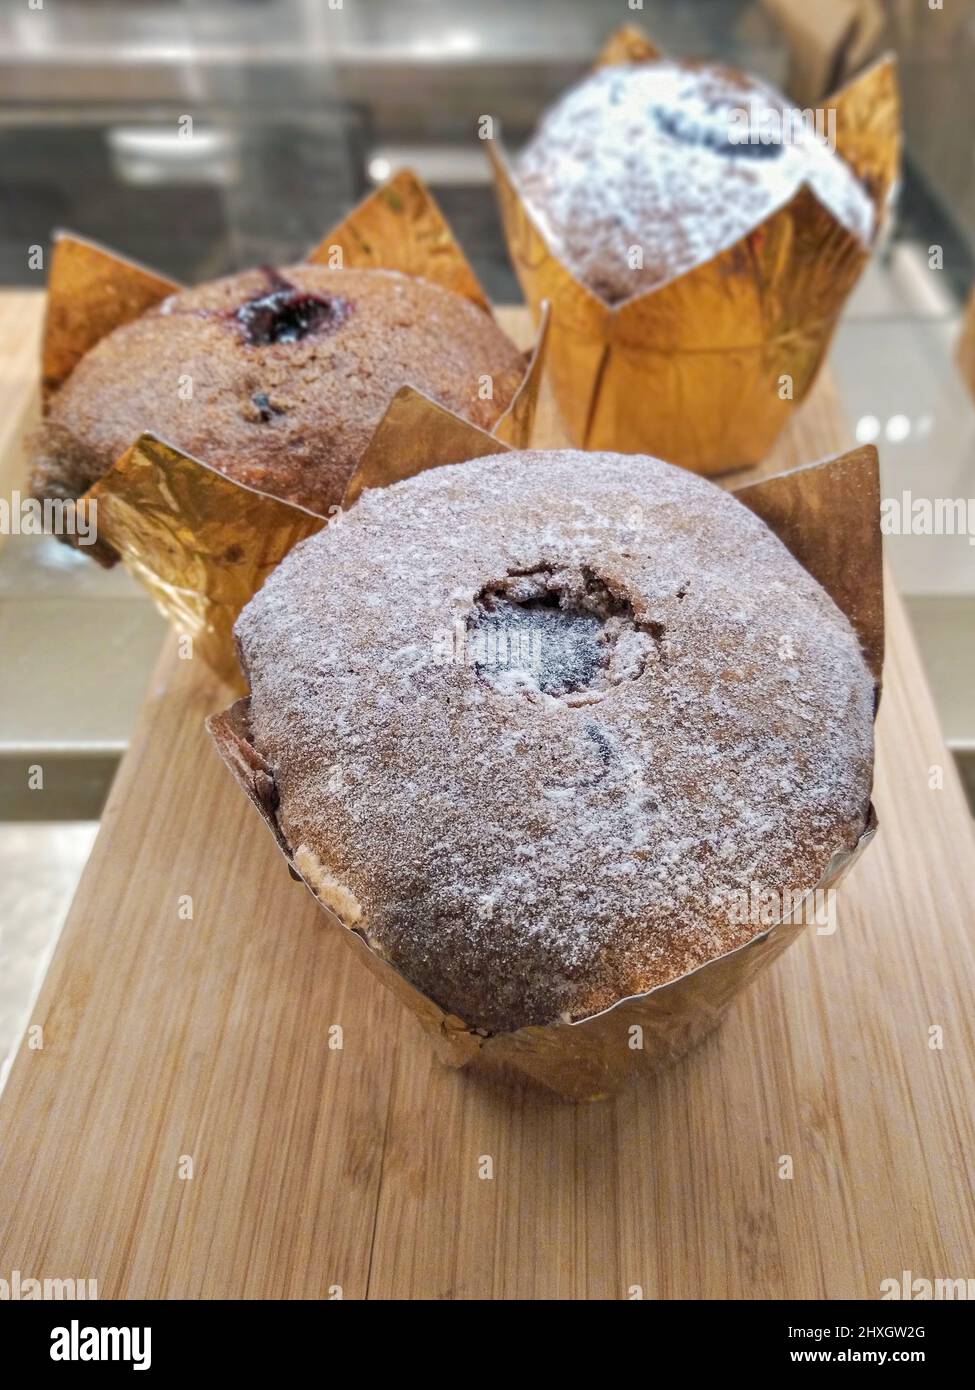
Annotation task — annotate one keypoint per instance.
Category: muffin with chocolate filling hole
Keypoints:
(536, 722)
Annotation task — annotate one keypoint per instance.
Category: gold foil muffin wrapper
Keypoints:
(90, 291)
(200, 542)
(826, 515)
(868, 130)
(416, 433)
(400, 227)
(693, 370)
(514, 426)
(628, 44)
(595, 1057)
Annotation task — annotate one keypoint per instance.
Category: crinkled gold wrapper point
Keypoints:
(692, 370)
(827, 514)
(202, 543)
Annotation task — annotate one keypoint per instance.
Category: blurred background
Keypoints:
(299, 107)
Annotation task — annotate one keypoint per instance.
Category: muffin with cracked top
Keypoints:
(276, 378)
(535, 722)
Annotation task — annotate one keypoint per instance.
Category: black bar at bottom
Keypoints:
(165, 1338)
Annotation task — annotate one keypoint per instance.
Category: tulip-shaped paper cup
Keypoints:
(705, 369)
(203, 543)
(827, 515)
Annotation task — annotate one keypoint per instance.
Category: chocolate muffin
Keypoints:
(559, 714)
(277, 378)
(678, 161)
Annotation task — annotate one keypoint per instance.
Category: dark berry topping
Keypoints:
(265, 409)
(719, 135)
(286, 314)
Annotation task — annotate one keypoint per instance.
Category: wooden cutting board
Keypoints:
(317, 1170)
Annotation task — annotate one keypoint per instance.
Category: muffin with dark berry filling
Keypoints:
(276, 378)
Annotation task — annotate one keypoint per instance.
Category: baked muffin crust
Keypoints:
(654, 156)
(528, 839)
(277, 378)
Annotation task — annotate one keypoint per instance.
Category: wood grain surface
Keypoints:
(318, 1170)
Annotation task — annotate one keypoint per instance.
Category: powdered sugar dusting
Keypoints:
(519, 856)
(642, 156)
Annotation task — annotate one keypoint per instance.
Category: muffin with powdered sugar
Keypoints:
(535, 723)
(642, 172)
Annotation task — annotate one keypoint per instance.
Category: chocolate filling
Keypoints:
(561, 632)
